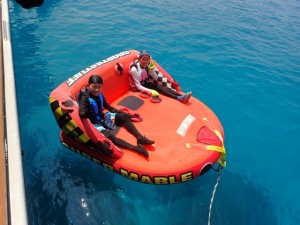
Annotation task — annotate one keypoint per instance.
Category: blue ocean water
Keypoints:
(241, 58)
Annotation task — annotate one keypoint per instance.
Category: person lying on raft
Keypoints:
(91, 104)
(142, 71)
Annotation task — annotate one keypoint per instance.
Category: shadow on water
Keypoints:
(27, 4)
(65, 188)
(61, 185)
(239, 201)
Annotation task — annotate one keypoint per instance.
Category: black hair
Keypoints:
(95, 79)
(144, 52)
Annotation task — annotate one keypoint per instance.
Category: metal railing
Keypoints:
(16, 200)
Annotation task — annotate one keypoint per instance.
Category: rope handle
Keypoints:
(135, 117)
(66, 104)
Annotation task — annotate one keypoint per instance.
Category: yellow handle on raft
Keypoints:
(222, 158)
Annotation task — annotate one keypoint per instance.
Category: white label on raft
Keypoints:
(184, 126)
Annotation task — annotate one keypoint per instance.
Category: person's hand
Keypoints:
(151, 65)
(154, 93)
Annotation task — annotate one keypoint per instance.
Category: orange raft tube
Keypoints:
(189, 138)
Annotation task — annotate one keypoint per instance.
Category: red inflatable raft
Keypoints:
(189, 138)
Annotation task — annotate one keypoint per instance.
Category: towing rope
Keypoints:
(214, 192)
